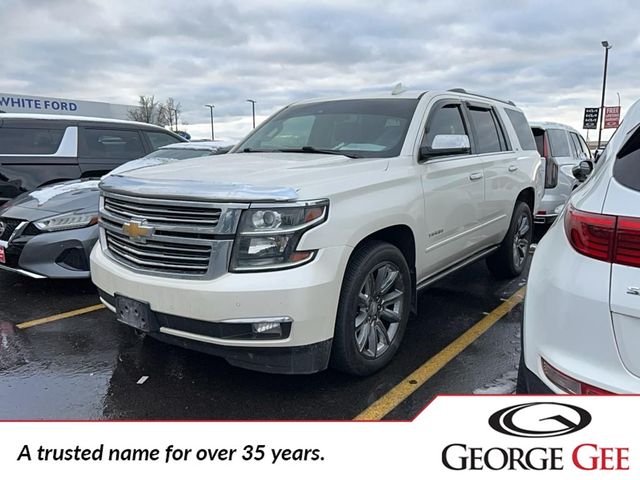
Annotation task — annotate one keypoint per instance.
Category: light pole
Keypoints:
(607, 46)
(211, 107)
(174, 111)
(253, 110)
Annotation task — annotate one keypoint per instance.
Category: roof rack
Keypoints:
(462, 90)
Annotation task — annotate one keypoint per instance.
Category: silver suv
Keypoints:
(562, 148)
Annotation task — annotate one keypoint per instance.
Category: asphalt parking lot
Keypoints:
(57, 362)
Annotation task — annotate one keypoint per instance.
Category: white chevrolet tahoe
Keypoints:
(305, 246)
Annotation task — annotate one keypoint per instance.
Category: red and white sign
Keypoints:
(611, 117)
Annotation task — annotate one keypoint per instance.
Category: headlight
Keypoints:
(267, 237)
(67, 221)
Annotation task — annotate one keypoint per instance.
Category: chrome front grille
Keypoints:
(164, 213)
(173, 237)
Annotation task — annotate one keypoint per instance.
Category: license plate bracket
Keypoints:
(135, 313)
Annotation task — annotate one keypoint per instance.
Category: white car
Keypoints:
(581, 327)
(306, 245)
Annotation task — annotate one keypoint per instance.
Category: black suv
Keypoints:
(37, 150)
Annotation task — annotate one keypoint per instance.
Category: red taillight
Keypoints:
(604, 237)
(627, 248)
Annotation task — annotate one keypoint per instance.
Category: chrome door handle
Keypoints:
(475, 176)
(633, 290)
(513, 168)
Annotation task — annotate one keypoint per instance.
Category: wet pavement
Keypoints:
(91, 367)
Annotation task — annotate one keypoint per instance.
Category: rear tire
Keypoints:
(512, 255)
(373, 310)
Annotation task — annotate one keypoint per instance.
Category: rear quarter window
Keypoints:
(522, 128)
(626, 170)
(559, 142)
(30, 141)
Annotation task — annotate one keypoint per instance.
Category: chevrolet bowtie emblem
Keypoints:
(137, 231)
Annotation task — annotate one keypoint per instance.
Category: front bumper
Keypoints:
(52, 255)
(567, 319)
(308, 295)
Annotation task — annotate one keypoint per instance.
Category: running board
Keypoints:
(457, 266)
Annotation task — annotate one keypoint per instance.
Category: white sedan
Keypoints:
(581, 328)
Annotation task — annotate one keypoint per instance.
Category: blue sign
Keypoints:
(38, 104)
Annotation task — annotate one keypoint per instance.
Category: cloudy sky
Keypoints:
(544, 55)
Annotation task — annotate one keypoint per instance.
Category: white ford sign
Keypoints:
(14, 103)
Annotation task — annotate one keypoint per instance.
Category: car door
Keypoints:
(453, 191)
(500, 166)
(101, 149)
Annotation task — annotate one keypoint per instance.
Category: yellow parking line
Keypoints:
(60, 316)
(385, 404)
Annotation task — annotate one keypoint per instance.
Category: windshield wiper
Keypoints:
(309, 149)
(305, 149)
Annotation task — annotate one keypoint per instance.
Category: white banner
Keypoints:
(454, 437)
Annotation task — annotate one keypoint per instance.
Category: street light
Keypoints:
(253, 109)
(607, 46)
(211, 107)
(175, 111)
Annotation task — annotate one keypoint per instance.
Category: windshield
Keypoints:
(179, 153)
(362, 128)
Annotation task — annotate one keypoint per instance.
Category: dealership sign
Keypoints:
(611, 117)
(14, 103)
(590, 121)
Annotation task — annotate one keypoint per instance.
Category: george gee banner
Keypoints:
(471, 437)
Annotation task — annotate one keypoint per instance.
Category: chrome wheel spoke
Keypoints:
(392, 297)
(362, 334)
(360, 319)
(387, 281)
(382, 333)
(363, 300)
(390, 316)
(373, 341)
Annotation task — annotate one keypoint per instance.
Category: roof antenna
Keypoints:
(398, 89)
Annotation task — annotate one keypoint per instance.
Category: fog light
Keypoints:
(271, 328)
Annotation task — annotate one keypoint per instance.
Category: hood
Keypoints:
(140, 163)
(222, 176)
(54, 199)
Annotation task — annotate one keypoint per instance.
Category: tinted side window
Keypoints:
(627, 167)
(116, 144)
(580, 145)
(538, 135)
(447, 120)
(523, 131)
(558, 142)
(486, 130)
(35, 141)
(159, 139)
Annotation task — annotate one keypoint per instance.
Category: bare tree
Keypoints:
(149, 110)
(171, 109)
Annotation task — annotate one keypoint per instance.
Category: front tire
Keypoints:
(510, 259)
(373, 311)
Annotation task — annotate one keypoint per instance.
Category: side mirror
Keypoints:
(443, 145)
(582, 171)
